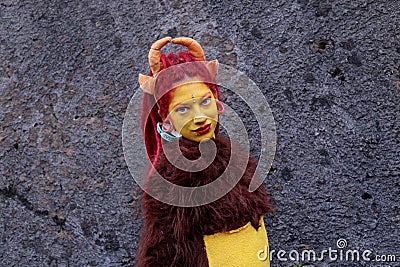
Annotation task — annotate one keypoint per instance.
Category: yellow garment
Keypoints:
(243, 247)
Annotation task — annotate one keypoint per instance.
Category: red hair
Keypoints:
(155, 108)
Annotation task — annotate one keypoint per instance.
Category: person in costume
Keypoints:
(182, 107)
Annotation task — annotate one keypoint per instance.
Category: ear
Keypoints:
(147, 83)
(212, 67)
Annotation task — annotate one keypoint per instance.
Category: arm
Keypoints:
(155, 248)
(168, 239)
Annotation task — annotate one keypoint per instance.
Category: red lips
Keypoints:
(203, 129)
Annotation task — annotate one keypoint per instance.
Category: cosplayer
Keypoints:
(178, 108)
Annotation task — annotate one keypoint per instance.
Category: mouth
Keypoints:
(203, 129)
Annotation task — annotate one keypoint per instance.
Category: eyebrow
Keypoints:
(206, 94)
(202, 97)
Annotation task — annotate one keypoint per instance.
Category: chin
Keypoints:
(204, 137)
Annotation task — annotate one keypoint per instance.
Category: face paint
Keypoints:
(193, 111)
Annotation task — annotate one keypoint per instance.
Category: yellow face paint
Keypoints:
(193, 111)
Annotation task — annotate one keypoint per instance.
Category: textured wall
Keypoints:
(329, 69)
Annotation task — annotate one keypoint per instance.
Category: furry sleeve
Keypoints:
(165, 241)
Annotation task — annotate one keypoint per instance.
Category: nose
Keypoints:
(200, 119)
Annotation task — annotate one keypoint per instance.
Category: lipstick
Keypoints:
(203, 129)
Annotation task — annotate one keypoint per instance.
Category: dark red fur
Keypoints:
(173, 236)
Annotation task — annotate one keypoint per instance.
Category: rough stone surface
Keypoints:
(329, 69)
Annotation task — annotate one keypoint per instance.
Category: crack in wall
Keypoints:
(10, 192)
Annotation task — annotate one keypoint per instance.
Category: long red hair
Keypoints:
(155, 107)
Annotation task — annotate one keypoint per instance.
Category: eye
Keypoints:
(206, 101)
(182, 110)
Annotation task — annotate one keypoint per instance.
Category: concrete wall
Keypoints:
(329, 69)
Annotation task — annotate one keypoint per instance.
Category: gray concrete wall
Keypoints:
(329, 69)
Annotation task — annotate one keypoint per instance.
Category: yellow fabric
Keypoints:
(238, 248)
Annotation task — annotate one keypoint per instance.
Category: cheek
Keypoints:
(179, 121)
(211, 112)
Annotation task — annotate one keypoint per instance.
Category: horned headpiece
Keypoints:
(147, 83)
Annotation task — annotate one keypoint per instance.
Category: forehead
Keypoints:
(188, 91)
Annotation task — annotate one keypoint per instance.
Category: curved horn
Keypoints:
(154, 54)
(193, 46)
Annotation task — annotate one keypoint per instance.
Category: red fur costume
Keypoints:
(171, 235)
